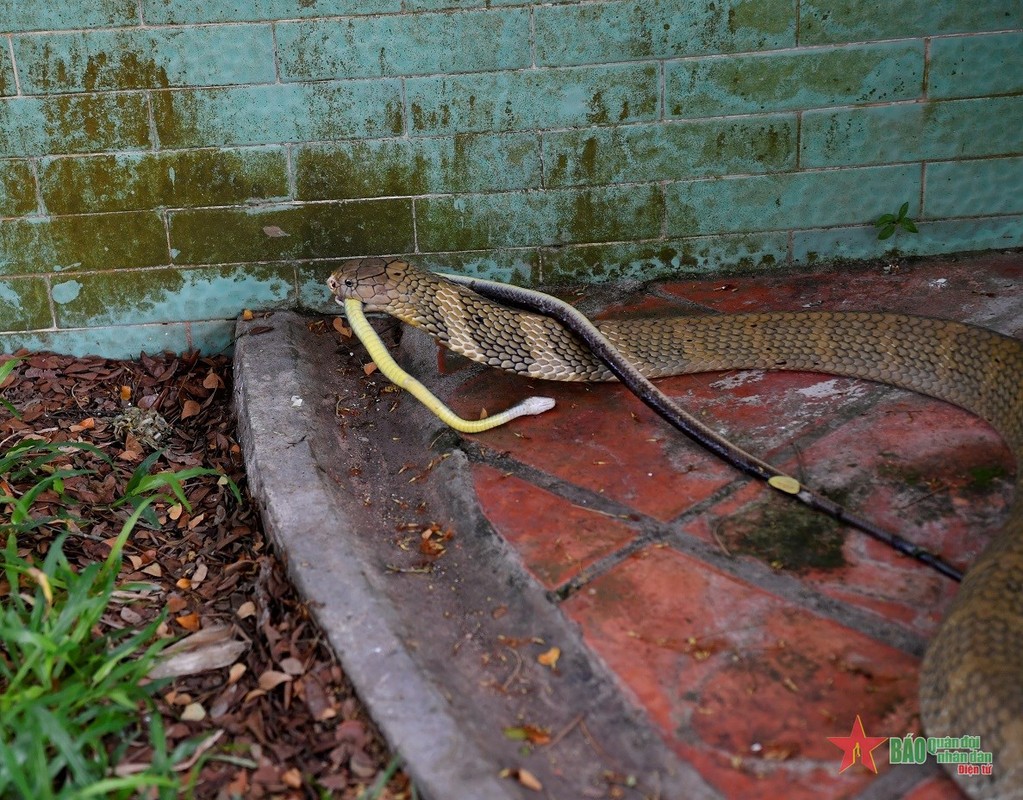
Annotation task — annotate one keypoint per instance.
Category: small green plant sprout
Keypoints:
(6, 369)
(889, 223)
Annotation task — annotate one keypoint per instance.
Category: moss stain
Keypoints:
(983, 477)
(588, 158)
(598, 112)
(787, 537)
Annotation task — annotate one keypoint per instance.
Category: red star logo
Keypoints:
(858, 744)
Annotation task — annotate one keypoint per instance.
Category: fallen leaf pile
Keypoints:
(251, 668)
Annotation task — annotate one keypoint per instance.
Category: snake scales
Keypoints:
(972, 676)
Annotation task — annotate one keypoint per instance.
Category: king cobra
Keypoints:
(971, 679)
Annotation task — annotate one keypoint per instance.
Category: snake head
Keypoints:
(376, 282)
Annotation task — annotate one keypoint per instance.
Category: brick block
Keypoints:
(17, 189)
(123, 182)
(420, 44)
(272, 233)
(669, 151)
(46, 15)
(794, 200)
(973, 66)
(974, 188)
(937, 130)
(145, 58)
(278, 113)
(545, 98)
(144, 296)
(593, 33)
(187, 12)
(87, 123)
(747, 84)
(479, 222)
(403, 167)
(23, 305)
(828, 21)
(646, 261)
(102, 241)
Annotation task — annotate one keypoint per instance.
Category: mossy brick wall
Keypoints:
(164, 164)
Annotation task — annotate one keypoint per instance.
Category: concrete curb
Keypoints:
(301, 516)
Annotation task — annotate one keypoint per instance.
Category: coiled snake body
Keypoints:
(972, 676)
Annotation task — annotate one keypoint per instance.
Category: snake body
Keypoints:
(972, 676)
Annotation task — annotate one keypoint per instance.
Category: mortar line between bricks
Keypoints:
(402, 12)
(428, 136)
(47, 280)
(33, 166)
(577, 189)
(285, 202)
(750, 571)
(275, 53)
(14, 65)
(154, 131)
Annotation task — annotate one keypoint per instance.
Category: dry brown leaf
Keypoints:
(201, 571)
(550, 657)
(213, 656)
(175, 511)
(190, 622)
(213, 381)
(369, 368)
(176, 603)
(132, 449)
(272, 679)
(339, 325)
(211, 648)
(362, 766)
(193, 712)
(235, 673)
(42, 581)
(523, 776)
(274, 232)
(130, 616)
(246, 609)
(189, 409)
(529, 780)
(292, 666)
(153, 570)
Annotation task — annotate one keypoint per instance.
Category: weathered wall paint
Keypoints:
(165, 164)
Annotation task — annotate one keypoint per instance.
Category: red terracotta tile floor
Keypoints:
(748, 629)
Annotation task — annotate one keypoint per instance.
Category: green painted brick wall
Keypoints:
(165, 164)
